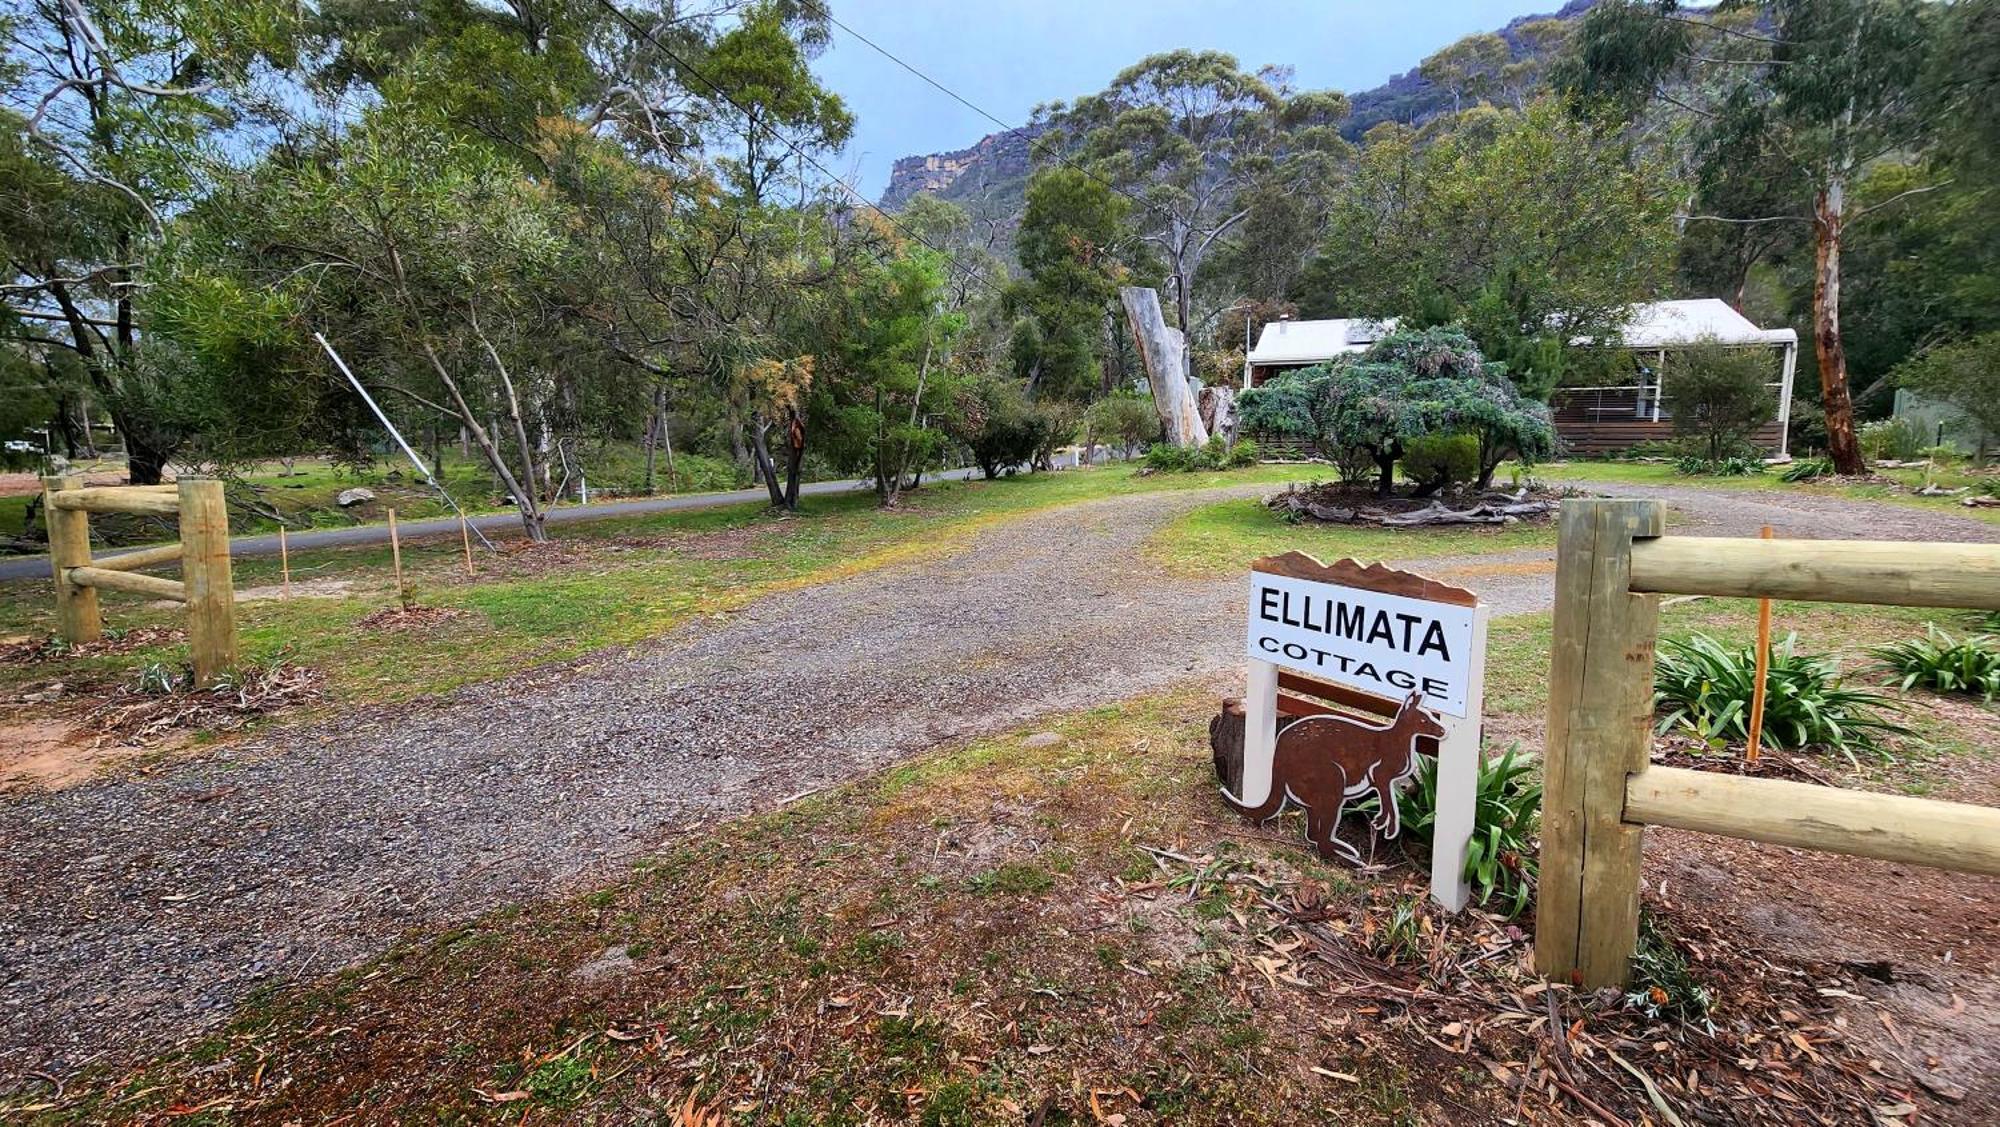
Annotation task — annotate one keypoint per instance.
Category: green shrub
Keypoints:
(1439, 460)
(1216, 455)
(1705, 687)
(1653, 448)
(1897, 440)
(1944, 664)
(699, 473)
(1696, 466)
(1808, 469)
(1122, 421)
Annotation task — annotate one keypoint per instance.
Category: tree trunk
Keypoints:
(522, 493)
(1218, 411)
(765, 471)
(1828, 217)
(144, 463)
(795, 457)
(738, 452)
(1385, 481)
(653, 434)
(1163, 351)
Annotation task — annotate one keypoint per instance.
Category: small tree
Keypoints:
(994, 420)
(1720, 395)
(1124, 421)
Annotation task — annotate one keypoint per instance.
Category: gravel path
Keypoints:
(143, 909)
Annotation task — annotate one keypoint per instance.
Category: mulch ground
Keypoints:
(1059, 928)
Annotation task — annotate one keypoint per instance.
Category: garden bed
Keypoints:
(1333, 503)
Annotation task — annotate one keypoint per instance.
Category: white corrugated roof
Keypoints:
(1659, 324)
(1663, 324)
(1305, 342)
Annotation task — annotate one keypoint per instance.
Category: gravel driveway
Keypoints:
(144, 909)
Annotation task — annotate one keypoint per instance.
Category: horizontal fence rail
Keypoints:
(1601, 789)
(153, 499)
(128, 581)
(1888, 572)
(144, 557)
(1889, 827)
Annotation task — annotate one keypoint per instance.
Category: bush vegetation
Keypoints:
(1218, 454)
(1945, 664)
(1896, 440)
(1719, 396)
(1704, 687)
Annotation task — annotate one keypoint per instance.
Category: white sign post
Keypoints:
(1386, 634)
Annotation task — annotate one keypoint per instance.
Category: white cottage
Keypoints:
(1591, 420)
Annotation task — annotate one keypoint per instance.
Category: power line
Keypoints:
(797, 150)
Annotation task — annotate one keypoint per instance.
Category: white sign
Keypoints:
(1388, 645)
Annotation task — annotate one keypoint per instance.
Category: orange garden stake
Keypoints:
(285, 559)
(465, 538)
(1763, 669)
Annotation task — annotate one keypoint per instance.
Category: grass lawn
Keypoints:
(604, 583)
(1220, 539)
(1896, 490)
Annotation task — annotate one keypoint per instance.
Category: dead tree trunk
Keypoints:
(1218, 411)
(1164, 352)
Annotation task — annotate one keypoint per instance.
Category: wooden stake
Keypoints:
(211, 597)
(1758, 690)
(465, 540)
(285, 559)
(77, 616)
(396, 554)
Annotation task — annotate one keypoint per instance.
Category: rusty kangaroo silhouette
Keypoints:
(1322, 761)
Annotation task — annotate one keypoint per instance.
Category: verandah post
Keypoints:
(1599, 732)
(77, 616)
(211, 598)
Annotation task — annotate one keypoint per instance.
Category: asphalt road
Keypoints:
(492, 524)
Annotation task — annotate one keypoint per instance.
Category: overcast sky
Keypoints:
(1006, 56)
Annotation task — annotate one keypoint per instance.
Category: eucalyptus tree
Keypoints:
(1823, 88)
(113, 116)
(445, 278)
(1184, 134)
(1529, 228)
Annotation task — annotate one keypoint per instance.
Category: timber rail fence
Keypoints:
(1600, 789)
(203, 553)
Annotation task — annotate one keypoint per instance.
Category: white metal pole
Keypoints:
(398, 436)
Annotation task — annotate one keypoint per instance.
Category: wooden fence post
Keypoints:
(1599, 732)
(77, 616)
(211, 597)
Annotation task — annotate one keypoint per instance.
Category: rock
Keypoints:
(1042, 739)
(609, 963)
(351, 497)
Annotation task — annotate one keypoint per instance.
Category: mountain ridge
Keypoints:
(985, 174)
